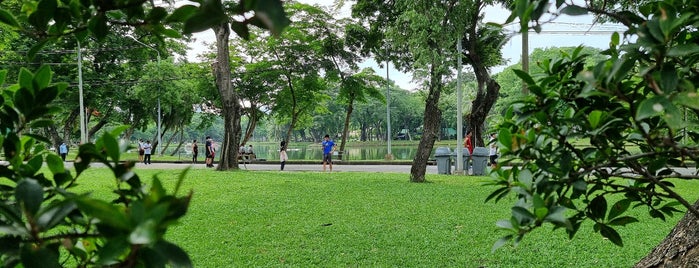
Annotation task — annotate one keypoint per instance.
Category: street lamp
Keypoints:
(160, 141)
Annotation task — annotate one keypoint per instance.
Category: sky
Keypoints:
(565, 31)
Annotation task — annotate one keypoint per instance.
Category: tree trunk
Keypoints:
(55, 138)
(680, 248)
(432, 120)
(229, 99)
(488, 88)
(179, 145)
(252, 123)
(69, 123)
(345, 130)
(167, 143)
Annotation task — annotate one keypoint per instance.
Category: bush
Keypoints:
(44, 224)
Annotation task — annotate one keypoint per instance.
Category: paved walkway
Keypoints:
(300, 167)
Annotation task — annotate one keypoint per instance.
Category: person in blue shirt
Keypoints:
(328, 149)
(63, 150)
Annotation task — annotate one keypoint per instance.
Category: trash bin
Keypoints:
(466, 157)
(443, 155)
(480, 160)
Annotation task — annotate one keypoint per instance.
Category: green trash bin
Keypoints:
(480, 160)
(443, 156)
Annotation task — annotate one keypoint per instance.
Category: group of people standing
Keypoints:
(144, 151)
(493, 148)
(209, 155)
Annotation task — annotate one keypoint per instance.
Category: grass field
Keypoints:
(344, 219)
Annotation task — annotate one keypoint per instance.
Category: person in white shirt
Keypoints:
(146, 152)
(493, 150)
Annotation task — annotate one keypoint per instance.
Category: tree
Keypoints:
(43, 220)
(630, 107)
(267, 14)
(356, 88)
(421, 37)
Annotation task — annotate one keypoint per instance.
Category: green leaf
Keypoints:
(26, 79)
(618, 208)
(175, 255)
(557, 215)
(55, 214)
(501, 242)
(111, 251)
(8, 19)
(684, 50)
(541, 213)
(210, 13)
(38, 46)
(10, 212)
(622, 221)
(524, 76)
(112, 146)
(522, 214)
(594, 118)
(271, 13)
(35, 163)
(689, 99)
(611, 234)
(38, 257)
(98, 26)
(668, 79)
(42, 77)
(55, 163)
(3, 75)
(144, 233)
(109, 214)
(181, 14)
(574, 10)
(30, 195)
(598, 208)
(241, 29)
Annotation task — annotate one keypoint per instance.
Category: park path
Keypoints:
(299, 167)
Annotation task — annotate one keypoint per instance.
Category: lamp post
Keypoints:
(83, 127)
(160, 141)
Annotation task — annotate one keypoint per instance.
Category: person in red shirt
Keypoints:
(468, 143)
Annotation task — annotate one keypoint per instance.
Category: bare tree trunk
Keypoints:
(55, 138)
(488, 88)
(168, 142)
(345, 130)
(69, 123)
(252, 124)
(179, 144)
(680, 248)
(430, 133)
(229, 99)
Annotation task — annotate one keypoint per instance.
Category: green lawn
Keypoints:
(343, 219)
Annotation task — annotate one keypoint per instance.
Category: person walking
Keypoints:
(282, 154)
(493, 150)
(63, 150)
(195, 151)
(328, 149)
(147, 152)
(140, 150)
(209, 152)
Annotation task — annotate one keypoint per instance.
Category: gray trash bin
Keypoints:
(466, 162)
(480, 160)
(443, 155)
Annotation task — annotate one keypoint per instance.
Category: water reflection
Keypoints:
(314, 152)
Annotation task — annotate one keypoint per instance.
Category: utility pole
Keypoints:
(389, 136)
(459, 114)
(83, 127)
